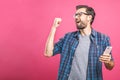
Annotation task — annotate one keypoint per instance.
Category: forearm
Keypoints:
(50, 43)
(109, 65)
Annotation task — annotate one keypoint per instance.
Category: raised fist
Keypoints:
(57, 22)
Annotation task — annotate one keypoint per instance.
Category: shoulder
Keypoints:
(102, 35)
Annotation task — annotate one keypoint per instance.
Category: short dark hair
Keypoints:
(89, 10)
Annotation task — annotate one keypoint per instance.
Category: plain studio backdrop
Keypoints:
(25, 26)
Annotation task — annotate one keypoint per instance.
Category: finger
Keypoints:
(104, 59)
(57, 22)
(105, 56)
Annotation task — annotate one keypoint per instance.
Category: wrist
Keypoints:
(108, 62)
(53, 28)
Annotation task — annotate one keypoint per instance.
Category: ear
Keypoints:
(89, 18)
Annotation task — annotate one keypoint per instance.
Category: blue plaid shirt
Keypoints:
(67, 46)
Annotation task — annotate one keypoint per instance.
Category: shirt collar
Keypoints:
(92, 36)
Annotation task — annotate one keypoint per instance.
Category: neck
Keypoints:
(86, 31)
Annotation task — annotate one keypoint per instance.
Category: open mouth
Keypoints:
(78, 21)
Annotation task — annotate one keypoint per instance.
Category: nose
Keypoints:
(76, 18)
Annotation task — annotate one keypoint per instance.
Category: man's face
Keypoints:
(81, 18)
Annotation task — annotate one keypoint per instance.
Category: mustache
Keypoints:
(77, 21)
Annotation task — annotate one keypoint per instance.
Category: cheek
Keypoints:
(83, 18)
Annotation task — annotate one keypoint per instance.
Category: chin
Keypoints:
(80, 27)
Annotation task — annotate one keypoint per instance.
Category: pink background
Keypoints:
(25, 25)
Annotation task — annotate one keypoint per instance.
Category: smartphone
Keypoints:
(108, 50)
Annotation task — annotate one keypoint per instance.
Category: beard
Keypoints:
(80, 25)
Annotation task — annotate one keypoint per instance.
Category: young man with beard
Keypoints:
(81, 51)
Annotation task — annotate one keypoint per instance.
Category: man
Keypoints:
(81, 51)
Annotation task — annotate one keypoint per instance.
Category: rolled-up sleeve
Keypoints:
(58, 47)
